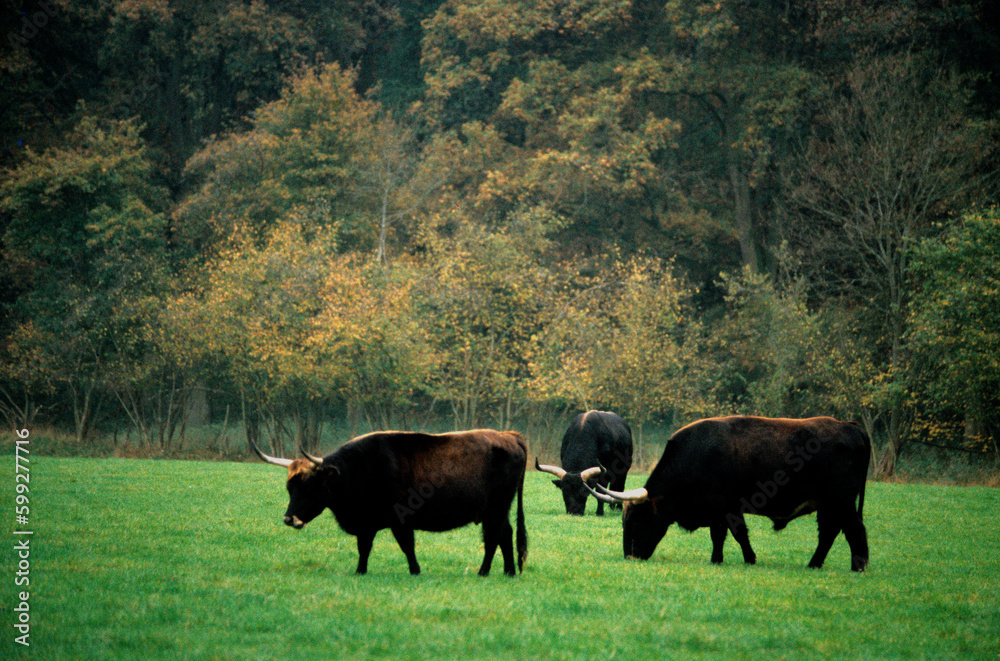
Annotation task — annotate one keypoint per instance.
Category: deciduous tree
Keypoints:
(954, 333)
(896, 153)
(86, 245)
(303, 151)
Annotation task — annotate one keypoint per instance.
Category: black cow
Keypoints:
(714, 471)
(594, 439)
(407, 481)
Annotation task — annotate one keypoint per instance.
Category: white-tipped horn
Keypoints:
(591, 472)
(277, 461)
(630, 496)
(545, 468)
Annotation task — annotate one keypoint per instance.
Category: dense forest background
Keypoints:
(278, 213)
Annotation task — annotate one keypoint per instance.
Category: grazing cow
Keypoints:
(714, 471)
(593, 439)
(407, 481)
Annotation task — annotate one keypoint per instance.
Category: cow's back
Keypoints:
(596, 438)
(714, 462)
(442, 481)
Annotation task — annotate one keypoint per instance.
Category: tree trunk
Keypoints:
(743, 216)
(83, 406)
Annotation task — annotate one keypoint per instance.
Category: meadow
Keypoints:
(163, 559)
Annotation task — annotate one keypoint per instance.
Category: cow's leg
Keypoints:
(829, 522)
(719, 531)
(498, 532)
(489, 547)
(857, 539)
(507, 548)
(365, 540)
(404, 537)
(738, 526)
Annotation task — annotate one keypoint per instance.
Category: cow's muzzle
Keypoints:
(294, 522)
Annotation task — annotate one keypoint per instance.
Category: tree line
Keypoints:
(671, 209)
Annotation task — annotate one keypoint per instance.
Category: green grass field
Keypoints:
(138, 559)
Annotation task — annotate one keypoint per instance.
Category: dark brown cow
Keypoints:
(715, 471)
(407, 481)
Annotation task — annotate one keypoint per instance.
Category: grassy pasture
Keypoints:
(155, 559)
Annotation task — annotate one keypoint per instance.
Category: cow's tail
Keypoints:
(522, 533)
(864, 482)
(861, 501)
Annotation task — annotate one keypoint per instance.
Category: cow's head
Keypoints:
(573, 486)
(644, 523)
(642, 528)
(308, 486)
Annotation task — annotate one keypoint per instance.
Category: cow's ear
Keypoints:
(331, 470)
(558, 483)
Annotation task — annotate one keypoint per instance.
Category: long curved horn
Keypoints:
(591, 472)
(600, 496)
(316, 460)
(277, 461)
(545, 468)
(630, 496)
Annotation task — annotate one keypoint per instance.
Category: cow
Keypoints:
(407, 481)
(594, 439)
(714, 471)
